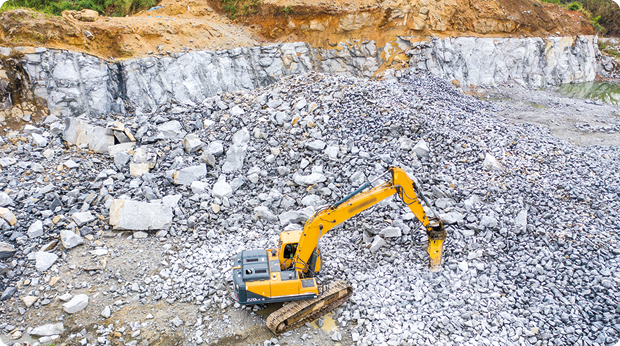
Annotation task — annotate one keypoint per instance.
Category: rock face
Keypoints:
(139, 216)
(75, 83)
(533, 62)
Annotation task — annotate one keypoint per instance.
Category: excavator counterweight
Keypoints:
(288, 272)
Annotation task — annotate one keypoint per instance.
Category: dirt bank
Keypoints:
(177, 26)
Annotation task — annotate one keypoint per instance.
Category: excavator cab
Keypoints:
(289, 250)
(287, 245)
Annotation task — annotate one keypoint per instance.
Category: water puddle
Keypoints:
(264, 313)
(599, 91)
(23, 339)
(537, 105)
(329, 323)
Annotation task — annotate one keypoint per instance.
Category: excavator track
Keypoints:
(297, 313)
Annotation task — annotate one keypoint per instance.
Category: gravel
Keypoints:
(532, 249)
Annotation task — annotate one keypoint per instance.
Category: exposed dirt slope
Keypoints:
(190, 24)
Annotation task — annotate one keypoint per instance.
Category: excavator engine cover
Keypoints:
(258, 279)
(250, 265)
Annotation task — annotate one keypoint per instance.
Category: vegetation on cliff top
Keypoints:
(603, 14)
(115, 8)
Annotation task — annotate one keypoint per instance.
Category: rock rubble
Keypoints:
(532, 249)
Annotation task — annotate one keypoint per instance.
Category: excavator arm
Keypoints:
(324, 220)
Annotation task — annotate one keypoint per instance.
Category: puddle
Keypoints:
(599, 91)
(537, 105)
(329, 323)
(264, 313)
(25, 338)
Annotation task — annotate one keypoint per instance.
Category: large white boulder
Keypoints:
(221, 189)
(188, 175)
(139, 216)
(48, 329)
(77, 303)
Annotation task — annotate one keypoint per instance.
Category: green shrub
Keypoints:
(287, 10)
(232, 7)
(604, 15)
(106, 7)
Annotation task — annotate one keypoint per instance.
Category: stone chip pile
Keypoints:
(532, 250)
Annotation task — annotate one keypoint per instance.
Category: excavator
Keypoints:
(289, 273)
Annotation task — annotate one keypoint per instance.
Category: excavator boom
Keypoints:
(358, 201)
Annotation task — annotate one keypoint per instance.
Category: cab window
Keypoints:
(289, 250)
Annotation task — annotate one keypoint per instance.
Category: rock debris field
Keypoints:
(532, 220)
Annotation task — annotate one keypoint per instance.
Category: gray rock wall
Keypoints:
(75, 83)
(532, 62)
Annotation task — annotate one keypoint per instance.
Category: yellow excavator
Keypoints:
(288, 273)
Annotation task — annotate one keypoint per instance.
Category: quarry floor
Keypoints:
(563, 117)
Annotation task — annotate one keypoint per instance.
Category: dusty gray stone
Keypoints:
(177, 322)
(316, 176)
(221, 188)
(139, 216)
(296, 216)
(106, 313)
(6, 250)
(451, 217)
(215, 148)
(188, 175)
(406, 143)
(140, 235)
(5, 199)
(521, 221)
(191, 143)
(8, 293)
(263, 212)
(390, 232)
(48, 329)
(490, 163)
(77, 303)
(44, 260)
(36, 229)
(199, 187)
(82, 218)
(70, 239)
(421, 149)
(316, 145)
(172, 129)
(235, 157)
(377, 243)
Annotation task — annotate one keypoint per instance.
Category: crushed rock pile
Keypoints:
(532, 221)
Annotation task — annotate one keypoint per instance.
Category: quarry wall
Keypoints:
(72, 84)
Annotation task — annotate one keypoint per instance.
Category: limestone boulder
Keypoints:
(139, 216)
